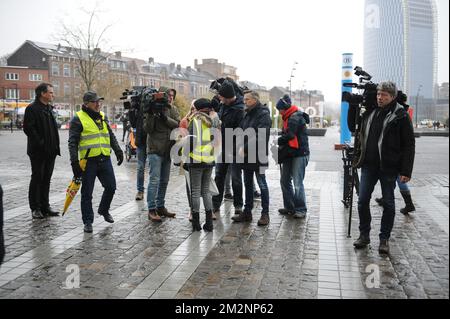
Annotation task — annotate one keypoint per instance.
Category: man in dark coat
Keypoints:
(231, 113)
(385, 150)
(256, 126)
(40, 126)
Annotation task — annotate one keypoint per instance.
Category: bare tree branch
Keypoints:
(86, 44)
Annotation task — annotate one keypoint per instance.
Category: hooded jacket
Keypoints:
(158, 131)
(295, 129)
(396, 144)
(210, 123)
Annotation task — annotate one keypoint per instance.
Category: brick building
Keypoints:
(216, 69)
(17, 88)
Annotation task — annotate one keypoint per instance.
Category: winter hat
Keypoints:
(284, 103)
(227, 90)
(202, 104)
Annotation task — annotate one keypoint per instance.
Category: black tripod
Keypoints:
(351, 178)
(351, 181)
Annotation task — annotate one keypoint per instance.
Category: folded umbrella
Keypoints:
(74, 185)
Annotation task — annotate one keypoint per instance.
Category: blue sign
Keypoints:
(347, 74)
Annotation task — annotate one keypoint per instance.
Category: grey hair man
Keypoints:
(385, 150)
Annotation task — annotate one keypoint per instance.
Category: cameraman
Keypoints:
(231, 114)
(385, 149)
(158, 124)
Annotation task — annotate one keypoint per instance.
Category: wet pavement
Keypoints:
(312, 258)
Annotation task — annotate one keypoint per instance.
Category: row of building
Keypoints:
(35, 62)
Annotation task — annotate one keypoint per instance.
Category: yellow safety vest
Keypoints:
(93, 138)
(203, 151)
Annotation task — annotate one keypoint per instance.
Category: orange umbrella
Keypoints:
(74, 185)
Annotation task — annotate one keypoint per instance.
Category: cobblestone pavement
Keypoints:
(311, 258)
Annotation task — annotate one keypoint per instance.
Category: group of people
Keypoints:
(385, 153)
(208, 145)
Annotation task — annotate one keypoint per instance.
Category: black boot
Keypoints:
(208, 226)
(196, 222)
(409, 204)
(362, 241)
(379, 201)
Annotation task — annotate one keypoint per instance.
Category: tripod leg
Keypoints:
(350, 209)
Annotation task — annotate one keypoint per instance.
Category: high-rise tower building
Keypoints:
(400, 44)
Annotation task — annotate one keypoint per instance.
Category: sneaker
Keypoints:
(228, 197)
(284, 211)
(162, 211)
(153, 216)
(384, 247)
(264, 220)
(299, 215)
(37, 214)
(362, 242)
(88, 228)
(139, 196)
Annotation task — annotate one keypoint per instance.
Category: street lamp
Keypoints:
(417, 104)
(17, 104)
(290, 79)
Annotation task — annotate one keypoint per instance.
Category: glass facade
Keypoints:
(400, 44)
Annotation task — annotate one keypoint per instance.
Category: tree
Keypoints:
(182, 105)
(4, 60)
(110, 86)
(85, 43)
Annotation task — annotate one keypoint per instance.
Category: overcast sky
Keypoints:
(261, 38)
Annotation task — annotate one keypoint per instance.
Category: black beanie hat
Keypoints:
(227, 90)
(202, 104)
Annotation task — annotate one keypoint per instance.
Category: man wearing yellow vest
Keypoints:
(91, 137)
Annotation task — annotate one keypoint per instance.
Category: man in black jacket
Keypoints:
(385, 150)
(91, 137)
(40, 126)
(256, 128)
(231, 113)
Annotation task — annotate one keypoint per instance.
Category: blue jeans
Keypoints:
(249, 191)
(293, 169)
(158, 181)
(236, 183)
(100, 167)
(369, 178)
(141, 153)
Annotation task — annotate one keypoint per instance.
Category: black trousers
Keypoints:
(41, 174)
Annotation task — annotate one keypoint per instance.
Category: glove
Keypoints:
(76, 169)
(163, 117)
(119, 156)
